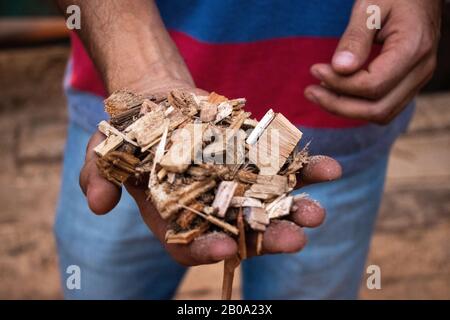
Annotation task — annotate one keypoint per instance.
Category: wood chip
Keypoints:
(220, 223)
(237, 202)
(223, 197)
(280, 207)
(242, 243)
(109, 144)
(208, 112)
(256, 218)
(224, 110)
(147, 128)
(187, 236)
(259, 243)
(216, 98)
(107, 129)
(117, 166)
(260, 127)
(275, 145)
(186, 144)
(121, 101)
(186, 217)
(168, 203)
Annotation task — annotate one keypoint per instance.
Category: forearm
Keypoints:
(129, 44)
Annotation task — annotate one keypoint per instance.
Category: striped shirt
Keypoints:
(261, 50)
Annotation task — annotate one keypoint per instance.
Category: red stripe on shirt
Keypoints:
(270, 73)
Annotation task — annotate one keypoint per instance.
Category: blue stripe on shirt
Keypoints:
(234, 21)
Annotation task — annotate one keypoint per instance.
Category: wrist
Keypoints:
(147, 77)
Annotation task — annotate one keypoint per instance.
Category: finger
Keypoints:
(379, 111)
(319, 169)
(405, 45)
(396, 60)
(212, 247)
(102, 195)
(309, 213)
(356, 42)
(281, 236)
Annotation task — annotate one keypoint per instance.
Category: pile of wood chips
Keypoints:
(209, 166)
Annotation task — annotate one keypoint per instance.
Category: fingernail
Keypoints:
(344, 58)
(310, 95)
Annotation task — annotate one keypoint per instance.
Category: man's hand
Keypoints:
(409, 36)
(131, 49)
(281, 236)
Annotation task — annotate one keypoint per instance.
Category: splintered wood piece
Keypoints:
(216, 98)
(147, 128)
(275, 145)
(269, 205)
(169, 202)
(280, 207)
(240, 190)
(196, 171)
(175, 119)
(292, 180)
(183, 101)
(251, 123)
(117, 166)
(107, 129)
(199, 99)
(242, 242)
(161, 174)
(186, 236)
(171, 177)
(109, 144)
(186, 144)
(237, 202)
(238, 103)
(259, 195)
(275, 184)
(148, 106)
(229, 266)
(256, 218)
(208, 112)
(223, 197)
(280, 182)
(124, 119)
(186, 217)
(237, 123)
(159, 153)
(121, 101)
(260, 127)
(300, 159)
(259, 243)
(224, 110)
(209, 210)
(247, 176)
(216, 221)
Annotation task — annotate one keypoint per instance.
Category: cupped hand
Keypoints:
(281, 236)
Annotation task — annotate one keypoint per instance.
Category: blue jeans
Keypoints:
(119, 258)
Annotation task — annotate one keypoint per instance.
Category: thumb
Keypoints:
(356, 42)
(102, 196)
